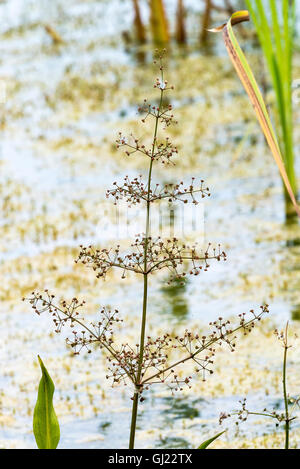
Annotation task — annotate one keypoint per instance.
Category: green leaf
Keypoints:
(248, 80)
(206, 443)
(45, 423)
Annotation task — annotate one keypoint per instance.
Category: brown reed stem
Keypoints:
(206, 20)
(139, 26)
(159, 22)
(180, 23)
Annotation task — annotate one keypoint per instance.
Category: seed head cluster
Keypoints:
(161, 254)
(158, 365)
(155, 359)
(135, 191)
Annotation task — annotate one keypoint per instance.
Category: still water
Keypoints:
(62, 108)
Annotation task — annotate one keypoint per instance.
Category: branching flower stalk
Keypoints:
(285, 417)
(153, 360)
(161, 86)
(284, 339)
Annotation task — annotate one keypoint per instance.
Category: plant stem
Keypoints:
(138, 377)
(133, 420)
(287, 419)
(145, 294)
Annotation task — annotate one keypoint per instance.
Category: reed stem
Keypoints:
(159, 22)
(139, 26)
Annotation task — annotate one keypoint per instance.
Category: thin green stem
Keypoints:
(263, 414)
(287, 417)
(133, 419)
(145, 294)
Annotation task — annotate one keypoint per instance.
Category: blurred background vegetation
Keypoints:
(72, 74)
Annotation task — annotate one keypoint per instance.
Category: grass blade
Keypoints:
(45, 423)
(248, 80)
(206, 443)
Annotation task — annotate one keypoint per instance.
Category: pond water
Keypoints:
(62, 108)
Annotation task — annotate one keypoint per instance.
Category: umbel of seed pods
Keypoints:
(163, 355)
(161, 254)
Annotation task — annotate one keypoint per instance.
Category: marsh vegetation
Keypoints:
(65, 103)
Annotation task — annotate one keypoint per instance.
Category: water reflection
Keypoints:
(55, 177)
(172, 442)
(295, 312)
(180, 408)
(174, 300)
(104, 427)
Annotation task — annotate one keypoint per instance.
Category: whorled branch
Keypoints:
(201, 349)
(164, 113)
(155, 355)
(99, 333)
(135, 191)
(160, 254)
(157, 364)
(161, 151)
(243, 413)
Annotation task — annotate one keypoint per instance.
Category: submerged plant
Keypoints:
(150, 360)
(288, 415)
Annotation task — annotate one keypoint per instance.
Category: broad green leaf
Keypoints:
(206, 443)
(45, 423)
(248, 80)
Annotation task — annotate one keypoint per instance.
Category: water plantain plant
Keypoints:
(149, 361)
(290, 404)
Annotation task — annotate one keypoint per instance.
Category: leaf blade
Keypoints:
(45, 424)
(206, 443)
(250, 85)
